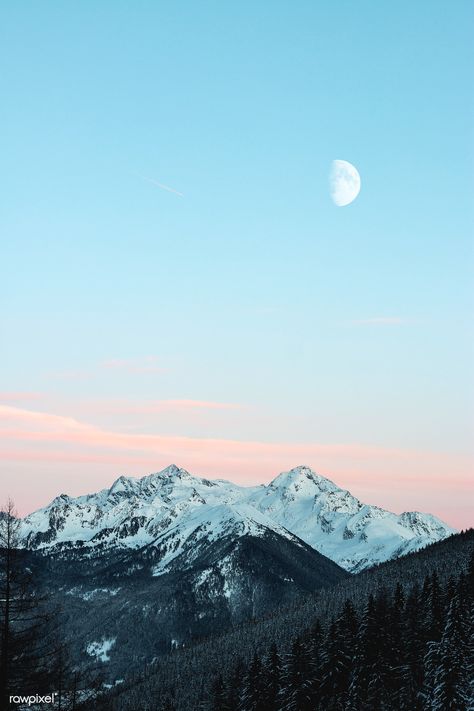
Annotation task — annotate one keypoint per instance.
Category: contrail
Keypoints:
(160, 185)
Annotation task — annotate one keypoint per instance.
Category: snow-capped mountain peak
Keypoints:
(177, 511)
(122, 485)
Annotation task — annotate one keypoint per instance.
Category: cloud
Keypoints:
(379, 321)
(46, 428)
(74, 456)
(162, 186)
(200, 404)
(19, 396)
(157, 406)
(64, 429)
(148, 364)
(60, 423)
(72, 374)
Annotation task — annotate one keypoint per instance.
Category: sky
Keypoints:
(176, 284)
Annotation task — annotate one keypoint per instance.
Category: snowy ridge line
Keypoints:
(175, 511)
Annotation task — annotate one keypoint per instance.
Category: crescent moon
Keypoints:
(344, 182)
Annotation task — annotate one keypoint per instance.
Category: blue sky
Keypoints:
(252, 288)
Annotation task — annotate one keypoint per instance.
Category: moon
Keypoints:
(344, 182)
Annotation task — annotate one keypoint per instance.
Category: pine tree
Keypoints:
(314, 649)
(338, 658)
(396, 647)
(431, 663)
(414, 650)
(219, 697)
(450, 692)
(378, 692)
(470, 576)
(296, 692)
(468, 664)
(272, 672)
(435, 609)
(253, 690)
(365, 657)
(234, 685)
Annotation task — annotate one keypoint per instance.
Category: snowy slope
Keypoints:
(179, 513)
(335, 523)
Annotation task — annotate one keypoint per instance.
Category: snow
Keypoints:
(97, 591)
(100, 650)
(177, 512)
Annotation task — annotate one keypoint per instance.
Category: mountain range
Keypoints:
(156, 564)
(177, 515)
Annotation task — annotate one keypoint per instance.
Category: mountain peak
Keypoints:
(301, 478)
(172, 471)
(122, 484)
(150, 482)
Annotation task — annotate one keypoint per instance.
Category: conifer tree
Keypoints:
(435, 609)
(234, 686)
(314, 649)
(338, 658)
(252, 696)
(396, 640)
(365, 658)
(414, 650)
(219, 698)
(450, 688)
(296, 690)
(272, 671)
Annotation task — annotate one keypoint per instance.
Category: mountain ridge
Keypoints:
(182, 509)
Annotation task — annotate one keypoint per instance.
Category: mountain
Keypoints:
(149, 566)
(187, 675)
(176, 513)
(331, 520)
(156, 564)
(136, 611)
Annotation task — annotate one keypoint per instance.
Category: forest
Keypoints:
(406, 651)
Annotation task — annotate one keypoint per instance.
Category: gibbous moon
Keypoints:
(344, 182)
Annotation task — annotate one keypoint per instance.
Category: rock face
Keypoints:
(179, 515)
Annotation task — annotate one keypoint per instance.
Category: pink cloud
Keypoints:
(199, 404)
(147, 364)
(45, 419)
(19, 396)
(157, 406)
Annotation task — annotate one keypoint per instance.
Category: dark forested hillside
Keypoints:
(116, 601)
(406, 650)
(416, 609)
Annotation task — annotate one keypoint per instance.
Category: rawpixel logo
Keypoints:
(34, 699)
